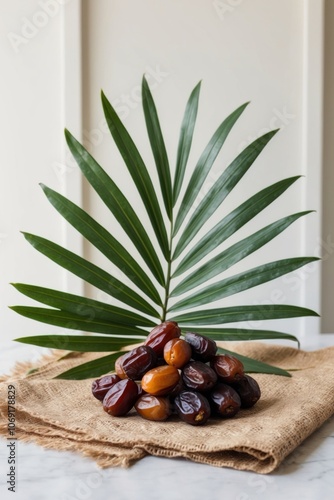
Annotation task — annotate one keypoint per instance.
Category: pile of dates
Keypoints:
(170, 374)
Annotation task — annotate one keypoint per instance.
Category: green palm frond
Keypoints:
(146, 299)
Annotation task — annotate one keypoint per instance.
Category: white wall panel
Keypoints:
(32, 148)
(257, 50)
(264, 51)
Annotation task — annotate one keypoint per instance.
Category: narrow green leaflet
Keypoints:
(242, 313)
(72, 321)
(104, 241)
(138, 171)
(242, 281)
(79, 343)
(253, 366)
(94, 368)
(185, 140)
(221, 188)
(158, 146)
(232, 222)
(205, 163)
(235, 253)
(83, 306)
(117, 204)
(228, 334)
(90, 273)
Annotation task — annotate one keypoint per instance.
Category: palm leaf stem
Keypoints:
(169, 271)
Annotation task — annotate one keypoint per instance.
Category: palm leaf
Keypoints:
(90, 273)
(72, 321)
(254, 366)
(221, 188)
(104, 241)
(158, 146)
(119, 324)
(232, 222)
(227, 334)
(83, 306)
(118, 204)
(205, 163)
(94, 368)
(138, 171)
(185, 140)
(242, 313)
(242, 281)
(78, 343)
(234, 254)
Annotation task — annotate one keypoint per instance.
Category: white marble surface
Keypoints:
(308, 473)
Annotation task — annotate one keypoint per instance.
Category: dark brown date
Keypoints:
(228, 368)
(138, 361)
(192, 407)
(101, 386)
(161, 334)
(199, 376)
(225, 401)
(203, 348)
(248, 390)
(177, 352)
(153, 407)
(120, 398)
(160, 380)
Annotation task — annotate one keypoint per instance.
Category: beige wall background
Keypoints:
(242, 49)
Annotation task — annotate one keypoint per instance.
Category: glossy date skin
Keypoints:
(101, 386)
(160, 380)
(228, 368)
(138, 361)
(248, 390)
(192, 407)
(177, 352)
(199, 376)
(203, 348)
(225, 401)
(161, 334)
(120, 398)
(155, 408)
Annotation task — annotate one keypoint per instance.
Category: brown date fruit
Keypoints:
(177, 352)
(119, 367)
(225, 401)
(199, 376)
(203, 348)
(120, 398)
(101, 386)
(161, 334)
(228, 368)
(138, 361)
(160, 380)
(192, 407)
(153, 407)
(248, 390)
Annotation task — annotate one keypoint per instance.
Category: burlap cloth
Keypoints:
(63, 415)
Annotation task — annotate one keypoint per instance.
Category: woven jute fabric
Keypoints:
(63, 415)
